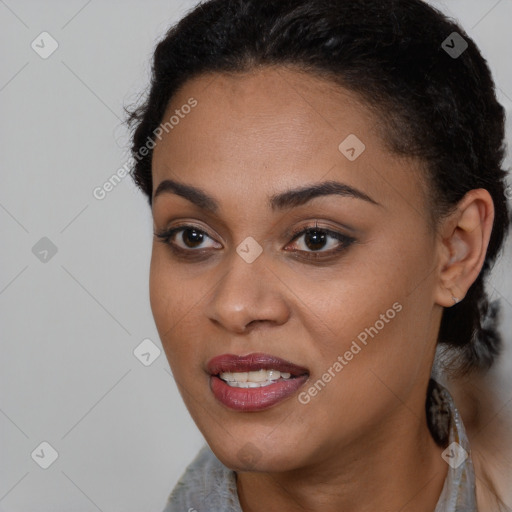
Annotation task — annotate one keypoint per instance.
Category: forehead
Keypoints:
(260, 116)
(273, 127)
(270, 97)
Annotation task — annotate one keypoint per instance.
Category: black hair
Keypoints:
(431, 90)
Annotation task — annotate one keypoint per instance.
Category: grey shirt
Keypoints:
(209, 486)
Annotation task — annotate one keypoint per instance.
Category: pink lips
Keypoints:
(254, 399)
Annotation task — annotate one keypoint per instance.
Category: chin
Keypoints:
(248, 454)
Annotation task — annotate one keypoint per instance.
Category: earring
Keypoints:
(456, 300)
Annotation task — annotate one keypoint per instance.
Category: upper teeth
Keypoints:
(253, 379)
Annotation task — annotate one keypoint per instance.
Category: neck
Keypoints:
(397, 468)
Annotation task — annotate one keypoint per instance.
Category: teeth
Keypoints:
(254, 379)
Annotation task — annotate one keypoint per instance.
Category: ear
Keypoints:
(463, 239)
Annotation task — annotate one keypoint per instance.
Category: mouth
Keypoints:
(255, 381)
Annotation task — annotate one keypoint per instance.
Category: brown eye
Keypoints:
(190, 239)
(315, 240)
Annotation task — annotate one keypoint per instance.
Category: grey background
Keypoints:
(70, 324)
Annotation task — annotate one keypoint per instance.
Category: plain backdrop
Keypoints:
(74, 302)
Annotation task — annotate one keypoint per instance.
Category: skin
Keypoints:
(362, 443)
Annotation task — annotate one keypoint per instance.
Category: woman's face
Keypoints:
(351, 305)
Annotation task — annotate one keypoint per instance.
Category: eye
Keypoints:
(189, 238)
(185, 240)
(321, 241)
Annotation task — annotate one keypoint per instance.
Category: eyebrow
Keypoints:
(284, 200)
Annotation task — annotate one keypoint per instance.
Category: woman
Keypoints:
(326, 183)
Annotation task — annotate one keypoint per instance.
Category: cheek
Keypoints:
(170, 298)
(364, 353)
(348, 317)
(364, 311)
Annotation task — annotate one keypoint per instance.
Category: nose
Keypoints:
(248, 295)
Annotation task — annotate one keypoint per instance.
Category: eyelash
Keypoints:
(346, 241)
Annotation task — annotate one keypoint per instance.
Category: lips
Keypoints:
(254, 398)
(252, 362)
